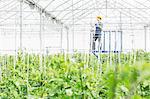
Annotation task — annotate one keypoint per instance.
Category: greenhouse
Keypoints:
(74, 49)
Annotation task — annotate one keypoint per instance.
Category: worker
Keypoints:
(98, 30)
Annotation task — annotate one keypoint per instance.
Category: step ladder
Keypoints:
(93, 44)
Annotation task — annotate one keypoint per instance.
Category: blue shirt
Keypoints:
(98, 28)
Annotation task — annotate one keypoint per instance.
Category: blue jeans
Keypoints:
(97, 34)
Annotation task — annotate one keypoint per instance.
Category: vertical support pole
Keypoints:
(104, 42)
(109, 47)
(132, 32)
(90, 48)
(121, 43)
(28, 67)
(61, 39)
(132, 41)
(72, 25)
(121, 34)
(21, 2)
(15, 55)
(40, 33)
(106, 7)
(109, 41)
(115, 41)
(120, 52)
(66, 55)
(40, 37)
(0, 71)
(99, 44)
(91, 40)
(67, 40)
(99, 55)
(145, 42)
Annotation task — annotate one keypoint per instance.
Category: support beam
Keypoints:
(33, 5)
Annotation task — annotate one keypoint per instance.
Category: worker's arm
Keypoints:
(100, 25)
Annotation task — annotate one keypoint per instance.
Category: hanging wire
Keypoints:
(48, 4)
(12, 15)
(82, 15)
(73, 4)
(124, 12)
(142, 10)
(140, 16)
(68, 17)
(60, 5)
(7, 4)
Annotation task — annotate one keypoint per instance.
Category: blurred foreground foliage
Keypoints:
(75, 76)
